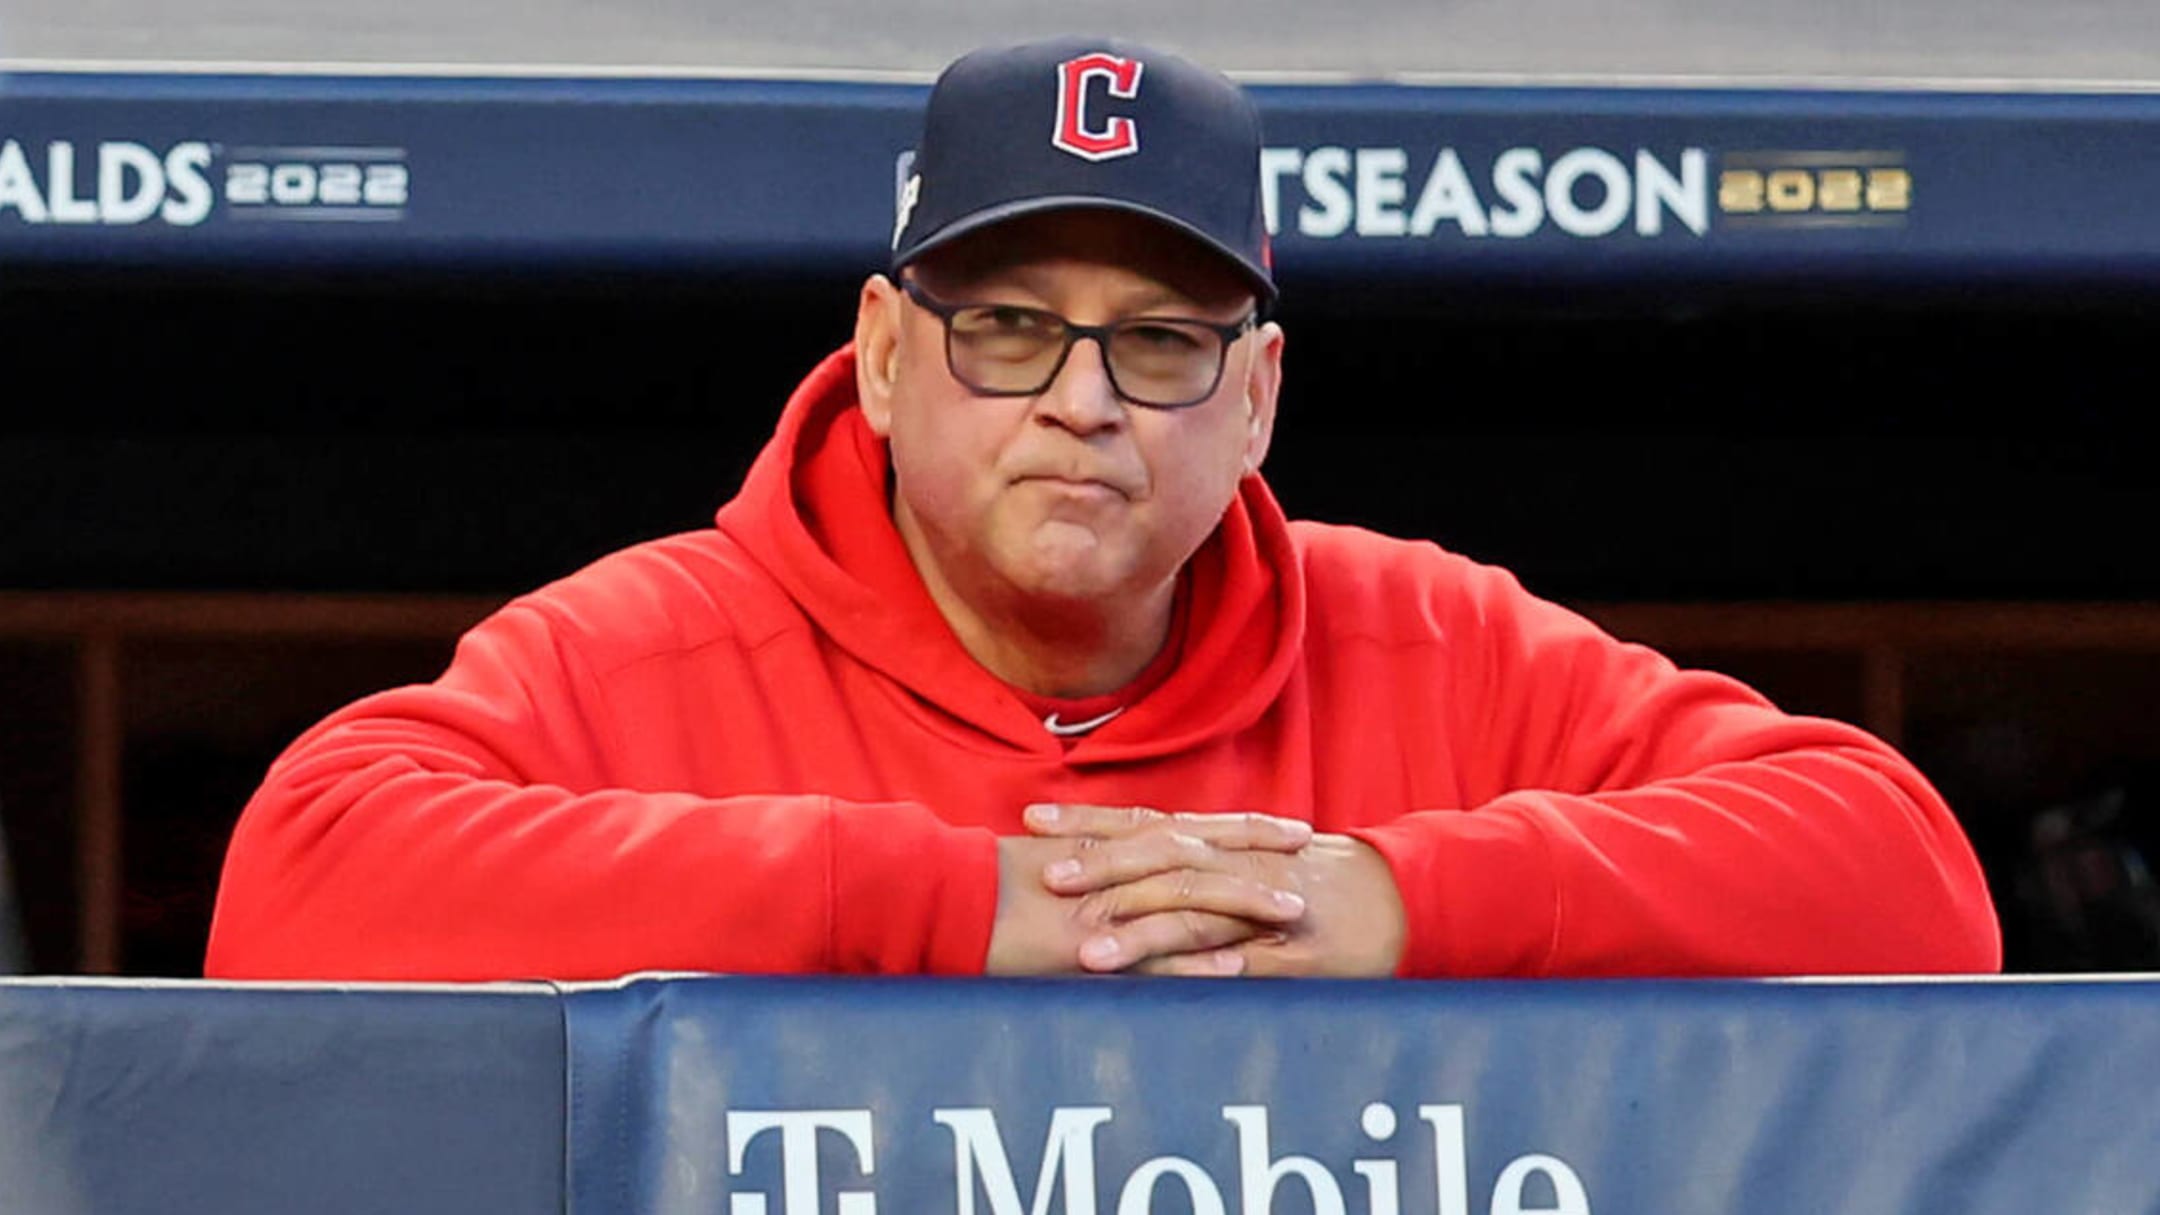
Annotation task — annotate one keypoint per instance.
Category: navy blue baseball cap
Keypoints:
(1087, 123)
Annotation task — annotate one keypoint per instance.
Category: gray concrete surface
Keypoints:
(2010, 43)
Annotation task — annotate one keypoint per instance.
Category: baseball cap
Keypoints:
(1087, 123)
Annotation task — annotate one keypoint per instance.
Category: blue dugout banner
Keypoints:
(196, 1099)
(737, 1096)
(1366, 182)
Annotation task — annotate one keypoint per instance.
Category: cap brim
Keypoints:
(992, 216)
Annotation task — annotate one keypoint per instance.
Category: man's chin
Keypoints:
(1069, 584)
(1054, 574)
(1076, 564)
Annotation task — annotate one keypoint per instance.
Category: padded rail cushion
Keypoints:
(181, 1098)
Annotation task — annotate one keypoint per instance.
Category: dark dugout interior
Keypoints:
(438, 433)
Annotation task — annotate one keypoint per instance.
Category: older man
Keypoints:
(1004, 659)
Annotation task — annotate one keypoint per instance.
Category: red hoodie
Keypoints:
(760, 748)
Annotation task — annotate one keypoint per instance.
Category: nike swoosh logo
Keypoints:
(1068, 729)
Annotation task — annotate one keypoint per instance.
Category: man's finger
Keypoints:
(1081, 818)
(1161, 935)
(1229, 829)
(1222, 894)
(1246, 831)
(1208, 964)
(1099, 864)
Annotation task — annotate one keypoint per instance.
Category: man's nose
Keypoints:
(1081, 397)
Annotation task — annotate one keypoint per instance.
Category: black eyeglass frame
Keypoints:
(1074, 333)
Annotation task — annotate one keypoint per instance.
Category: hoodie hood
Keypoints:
(814, 511)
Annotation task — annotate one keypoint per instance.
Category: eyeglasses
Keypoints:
(1004, 350)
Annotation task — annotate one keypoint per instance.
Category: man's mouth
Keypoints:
(1076, 485)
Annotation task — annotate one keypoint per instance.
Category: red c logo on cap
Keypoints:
(1121, 137)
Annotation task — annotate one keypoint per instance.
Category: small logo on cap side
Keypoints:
(1120, 136)
(910, 194)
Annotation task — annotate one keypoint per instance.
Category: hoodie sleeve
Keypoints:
(1628, 817)
(464, 830)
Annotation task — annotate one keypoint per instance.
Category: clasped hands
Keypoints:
(1098, 889)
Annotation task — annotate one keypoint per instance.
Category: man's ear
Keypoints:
(1263, 384)
(877, 351)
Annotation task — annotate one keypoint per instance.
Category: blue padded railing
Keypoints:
(742, 1096)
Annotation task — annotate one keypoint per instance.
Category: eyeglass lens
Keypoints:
(1018, 350)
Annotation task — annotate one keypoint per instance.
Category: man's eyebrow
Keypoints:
(1149, 302)
(1148, 299)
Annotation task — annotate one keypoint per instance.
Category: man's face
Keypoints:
(1072, 494)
